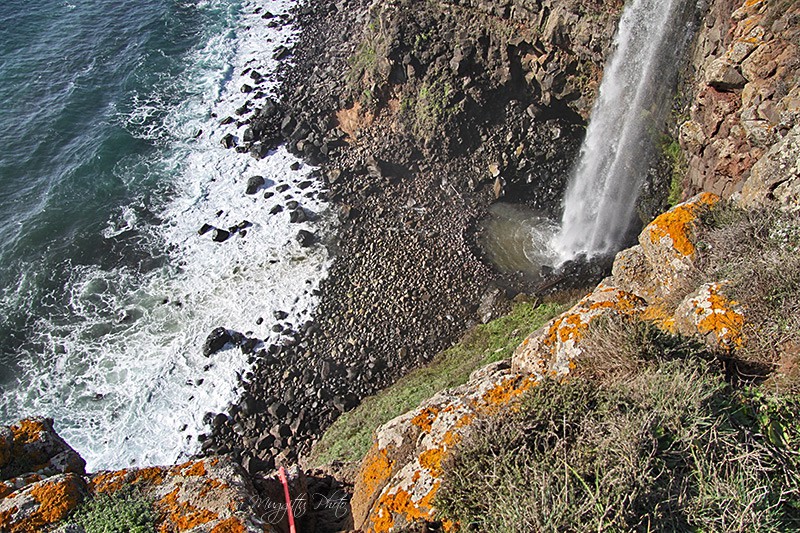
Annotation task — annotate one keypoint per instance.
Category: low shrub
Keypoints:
(672, 447)
(125, 511)
(758, 254)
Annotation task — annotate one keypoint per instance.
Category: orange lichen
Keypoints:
(180, 515)
(376, 469)
(464, 421)
(197, 468)
(424, 420)
(721, 319)
(402, 504)
(109, 482)
(660, 317)
(6, 517)
(502, 394)
(450, 525)
(210, 485)
(676, 223)
(58, 498)
(27, 431)
(231, 525)
(431, 460)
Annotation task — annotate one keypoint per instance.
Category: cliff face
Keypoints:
(743, 91)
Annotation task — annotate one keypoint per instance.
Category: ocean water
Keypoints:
(111, 162)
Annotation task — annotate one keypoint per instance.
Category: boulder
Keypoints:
(220, 235)
(724, 76)
(216, 340)
(42, 504)
(211, 494)
(254, 184)
(32, 446)
(775, 178)
(305, 238)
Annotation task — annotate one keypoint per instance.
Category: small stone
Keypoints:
(254, 183)
(220, 235)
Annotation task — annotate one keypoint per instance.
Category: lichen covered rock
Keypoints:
(402, 472)
(33, 446)
(211, 494)
(44, 480)
(41, 504)
(711, 314)
(668, 247)
(551, 350)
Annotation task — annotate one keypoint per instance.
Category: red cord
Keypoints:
(285, 482)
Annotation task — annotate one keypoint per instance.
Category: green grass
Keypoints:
(659, 443)
(125, 511)
(350, 437)
(676, 159)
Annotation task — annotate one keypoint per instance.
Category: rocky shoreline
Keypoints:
(407, 276)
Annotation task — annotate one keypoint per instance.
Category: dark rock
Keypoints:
(228, 141)
(220, 235)
(219, 420)
(205, 228)
(250, 135)
(254, 183)
(296, 165)
(227, 120)
(216, 340)
(248, 346)
(246, 88)
(298, 215)
(281, 53)
(280, 315)
(305, 238)
(278, 410)
(275, 210)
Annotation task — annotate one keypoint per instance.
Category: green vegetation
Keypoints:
(125, 511)
(431, 107)
(676, 160)
(350, 437)
(648, 437)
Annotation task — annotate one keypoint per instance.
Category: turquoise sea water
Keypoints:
(110, 162)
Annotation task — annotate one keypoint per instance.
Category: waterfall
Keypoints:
(633, 99)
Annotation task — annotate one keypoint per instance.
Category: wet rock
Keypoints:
(216, 340)
(281, 53)
(254, 184)
(228, 141)
(305, 238)
(220, 235)
(298, 215)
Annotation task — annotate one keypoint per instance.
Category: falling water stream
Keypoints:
(633, 101)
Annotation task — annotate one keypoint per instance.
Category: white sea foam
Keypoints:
(123, 373)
